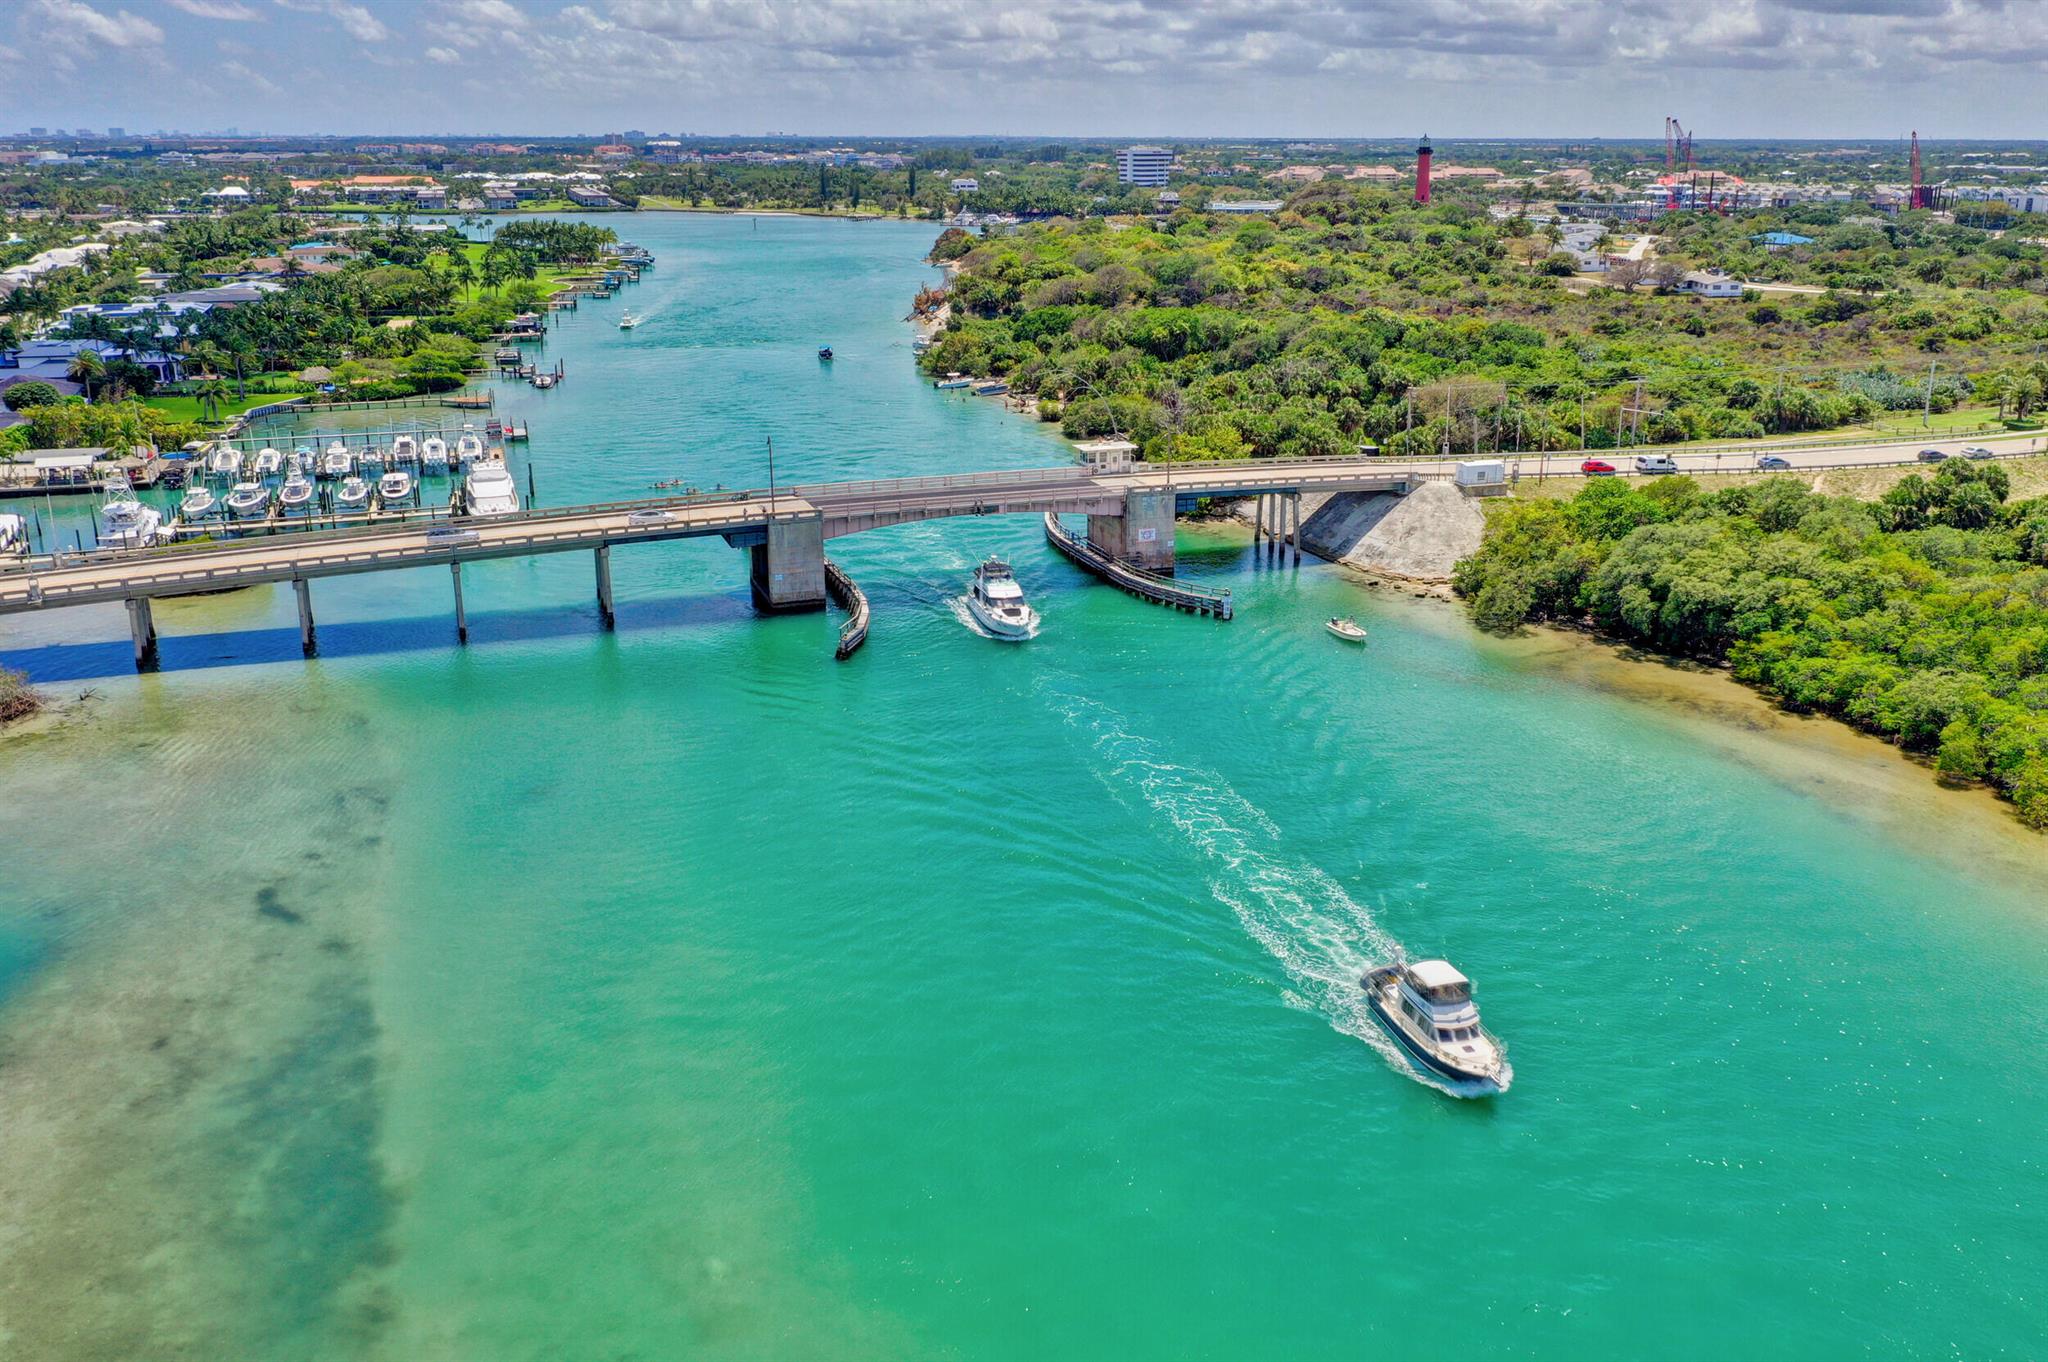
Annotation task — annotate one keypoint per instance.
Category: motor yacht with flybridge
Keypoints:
(1428, 1008)
(124, 522)
(997, 602)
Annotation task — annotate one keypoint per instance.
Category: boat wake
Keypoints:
(1323, 939)
(958, 605)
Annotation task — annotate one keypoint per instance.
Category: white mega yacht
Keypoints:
(489, 490)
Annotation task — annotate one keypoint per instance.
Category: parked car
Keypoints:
(1977, 452)
(1596, 467)
(1656, 463)
(1772, 461)
(1932, 456)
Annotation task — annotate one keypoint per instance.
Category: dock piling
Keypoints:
(461, 619)
(604, 585)
(142, 629)
(304, 591)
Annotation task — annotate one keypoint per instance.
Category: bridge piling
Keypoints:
(787, 571)
(604, 585)
(304, 591)
(461, 619)
(142, 629)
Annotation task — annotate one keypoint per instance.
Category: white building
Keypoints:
(1705, 285)
(1146, 166)
(966, 184)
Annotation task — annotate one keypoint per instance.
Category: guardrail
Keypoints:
(844, 590)
(1137, 581)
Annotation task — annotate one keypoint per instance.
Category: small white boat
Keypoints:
(1350, 630)
(336, 463)
(352, 495)
(371, 461)
(296, 496)
(469, 446)
(434, 454)
(225, 462)
(198, 504)
(997, 602)
(394, 488)
(405, 450)
(1428, 1008)
(627, 321)
(996, 389)
(489, 490)
(126, 523)
(13, 533)
(268, 462)
(954, 380)
(249, 501)
(543, 380)
(305, 459)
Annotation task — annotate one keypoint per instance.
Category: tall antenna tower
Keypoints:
(1918, 197)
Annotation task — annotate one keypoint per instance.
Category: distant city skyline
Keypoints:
(1142, 69)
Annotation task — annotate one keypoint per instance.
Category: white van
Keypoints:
(1656, 463)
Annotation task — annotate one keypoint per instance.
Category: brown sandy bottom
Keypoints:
(1852, 771)
(188, 1158)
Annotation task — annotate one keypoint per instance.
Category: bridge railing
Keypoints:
(898, 487)
(1150, 586)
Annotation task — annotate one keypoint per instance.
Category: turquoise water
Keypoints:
(679, 992)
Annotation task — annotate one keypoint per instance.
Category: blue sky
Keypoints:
(1288, 68)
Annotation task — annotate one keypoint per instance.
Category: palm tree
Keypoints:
(211, 393)
(86, 369)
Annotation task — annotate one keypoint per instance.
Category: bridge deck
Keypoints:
(48, 581)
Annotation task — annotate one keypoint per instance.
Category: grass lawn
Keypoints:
(191, 409)
(549, 277)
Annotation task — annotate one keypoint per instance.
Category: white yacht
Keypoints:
(225, 462)
(489, 490)
(268, 463)
(296, 496)
(249, 501)
(1428, 1008)
(13, 533)
(997, 602)
(405, 450)
(352, 495)
(371, 462)
(336, 463)
(126, 523)
(469, 447)
(394, 488)
(434, 453)
(305, 459)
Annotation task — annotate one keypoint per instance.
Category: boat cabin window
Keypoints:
(1448, 993)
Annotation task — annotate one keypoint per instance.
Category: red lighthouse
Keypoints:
(1422, 172)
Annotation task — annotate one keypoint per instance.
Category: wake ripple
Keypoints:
(1323, 938)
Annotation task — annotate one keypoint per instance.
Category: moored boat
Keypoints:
(434, 454)
(248, 500)
(296, 496)
(198, 505)
(394, 488)
(225, 462)
(954, 380)
(469, 447)
(335, 463)
(268, 462)
(405, 450)
(13, 533)
(124, 522)
(997, 602)
(489, 490)
(352, 495)
(1428, 1008)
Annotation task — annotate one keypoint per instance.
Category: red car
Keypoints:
(1596, 466)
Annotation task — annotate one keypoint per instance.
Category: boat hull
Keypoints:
(997, 627)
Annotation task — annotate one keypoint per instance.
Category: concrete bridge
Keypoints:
(1130, 512)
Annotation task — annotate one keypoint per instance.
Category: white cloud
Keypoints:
(230, 11)
(358, 22)
(75, 23)
(445, 56)
(248, 79)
